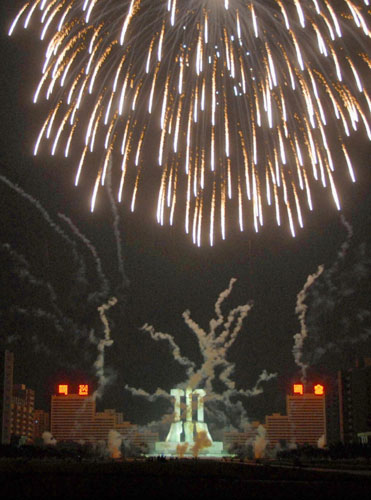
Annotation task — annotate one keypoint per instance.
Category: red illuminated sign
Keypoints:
(319, 390)
(63, 389)
(83, 390)
(298, 389)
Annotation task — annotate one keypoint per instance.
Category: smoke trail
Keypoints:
(301, 311)
(103, 380)
(22, 270)
(98, 263)
(159, 393)
(223, 405)
(46, 217)
(40, 314)
(334, 307)
(257, 389)
(175, 350)
(214, 323)
(260, 442)
(114, 443)
(48, 439)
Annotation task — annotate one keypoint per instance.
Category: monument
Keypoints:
(189, 437)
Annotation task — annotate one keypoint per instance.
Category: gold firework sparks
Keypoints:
(246, 101)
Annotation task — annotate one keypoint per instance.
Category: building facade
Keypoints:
(72, 418)
(41, 423)
(278, 430)
(349, 405)
(6, 392)
(235, 439)
(22, 420)
(307, 418)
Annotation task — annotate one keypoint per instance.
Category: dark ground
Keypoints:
(175, 479)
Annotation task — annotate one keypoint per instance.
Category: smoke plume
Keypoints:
(214, 374)
(334, 310)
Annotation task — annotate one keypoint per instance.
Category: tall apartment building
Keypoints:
(23, 405)
(307, 417)
(349, 405)
(6, 390)
(72, 418)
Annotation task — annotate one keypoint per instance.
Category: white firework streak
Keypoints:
(214, 348)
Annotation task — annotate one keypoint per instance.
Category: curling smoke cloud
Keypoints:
(332, 308)
(114, 443)
(260, 443)
(301, 311)
(48, 439)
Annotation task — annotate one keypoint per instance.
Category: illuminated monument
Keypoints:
(188, 434)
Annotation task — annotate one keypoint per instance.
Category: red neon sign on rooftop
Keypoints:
(298, 389)
(83, 390)
(63, 389)
(319, 390)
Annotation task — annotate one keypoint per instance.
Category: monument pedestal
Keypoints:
(168, 448)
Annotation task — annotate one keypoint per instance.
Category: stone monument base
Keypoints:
(168, 448)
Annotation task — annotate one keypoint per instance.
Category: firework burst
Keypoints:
(242, 103)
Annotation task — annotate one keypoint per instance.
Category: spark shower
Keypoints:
(242, 103)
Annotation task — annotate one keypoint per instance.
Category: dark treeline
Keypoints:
(336, 451)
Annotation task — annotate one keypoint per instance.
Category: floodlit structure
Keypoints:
(189, 436)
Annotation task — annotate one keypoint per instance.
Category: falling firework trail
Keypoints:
(245, 103)
(215, 367)
(104, 282)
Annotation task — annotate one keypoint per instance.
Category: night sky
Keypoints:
(167, 274)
